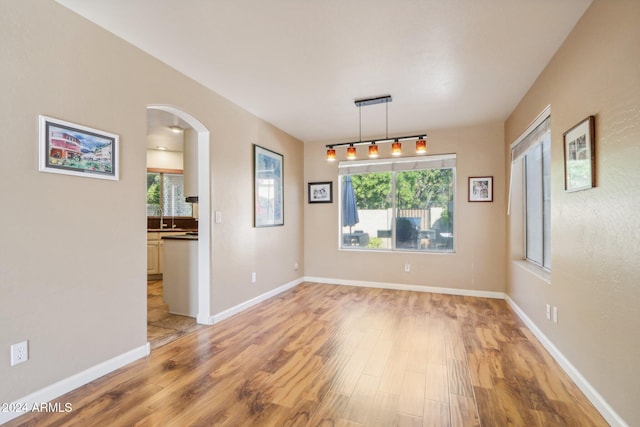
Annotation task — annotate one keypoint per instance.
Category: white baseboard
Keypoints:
(71, 383)
(405, 287)
(253, 301)
(590, 392)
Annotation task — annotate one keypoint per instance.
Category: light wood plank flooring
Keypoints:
(323, 355)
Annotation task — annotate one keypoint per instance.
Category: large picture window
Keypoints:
(405, 204)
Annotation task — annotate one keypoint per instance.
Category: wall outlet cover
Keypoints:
(19, 353)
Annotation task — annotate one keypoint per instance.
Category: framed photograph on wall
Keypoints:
(72, 149)
(321, 192)
(580, 156)
(481, 189)
(268, 197)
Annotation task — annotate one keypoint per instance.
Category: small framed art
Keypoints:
(481, 189)
(321, 192)
(580, 156)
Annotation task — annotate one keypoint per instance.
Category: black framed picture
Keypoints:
(481, 189)
(321, 192)
(268, 193)
(580, 156)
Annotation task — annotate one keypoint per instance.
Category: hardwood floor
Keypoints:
(323, 355)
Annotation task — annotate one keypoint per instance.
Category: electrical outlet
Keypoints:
(253, 277)
(19, 352)
(548, 311)
(407, 268)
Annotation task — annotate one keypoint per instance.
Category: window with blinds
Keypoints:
(532, 152)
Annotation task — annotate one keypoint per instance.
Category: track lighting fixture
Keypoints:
(396, 145)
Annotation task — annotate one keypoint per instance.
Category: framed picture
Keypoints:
(321, 192)
(71, 149)
(481, 189)
(268, 207)
(580, 156)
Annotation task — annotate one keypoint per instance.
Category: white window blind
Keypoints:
(533, 151)
(439, 161)
(534, 134)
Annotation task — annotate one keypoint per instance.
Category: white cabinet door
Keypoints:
(153, 257)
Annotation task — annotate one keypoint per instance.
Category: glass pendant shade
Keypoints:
(373, 151)
(396, 148)
(331, 154)
(421, 146)
(351, 152)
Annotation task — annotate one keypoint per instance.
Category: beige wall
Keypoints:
(165, 159)
(595, 234)
(477, 264)
(73, 250)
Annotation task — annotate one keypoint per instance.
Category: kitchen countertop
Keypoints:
(181, 237)
(170, 230)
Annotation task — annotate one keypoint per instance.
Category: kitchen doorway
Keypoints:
(204, 212)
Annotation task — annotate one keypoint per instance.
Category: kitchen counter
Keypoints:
(180, 274)
(171, 230)
(186, 236)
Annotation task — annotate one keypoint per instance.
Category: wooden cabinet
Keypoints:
(153, 257)
(154, 250)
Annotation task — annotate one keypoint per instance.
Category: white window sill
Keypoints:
(391, 251)
(532, 268)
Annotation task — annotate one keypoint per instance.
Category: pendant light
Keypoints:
(351, 152)
(373, 150)
(396, 148)
(331, 154)
(421, 146)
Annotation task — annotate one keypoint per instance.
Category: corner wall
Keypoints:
(72, 249)
(595, 237)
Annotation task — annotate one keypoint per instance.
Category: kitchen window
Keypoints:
(398, 204)
(165, 195)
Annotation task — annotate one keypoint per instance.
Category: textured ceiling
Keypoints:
(300, 64)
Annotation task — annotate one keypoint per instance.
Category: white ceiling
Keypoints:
(300, 64)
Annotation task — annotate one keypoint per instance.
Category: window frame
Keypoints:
(545, 239)
(161, 172)
(536, 134)
(438, 161)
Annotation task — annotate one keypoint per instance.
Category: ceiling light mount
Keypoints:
(373, 101)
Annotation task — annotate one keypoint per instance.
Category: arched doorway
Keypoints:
(204, 209)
